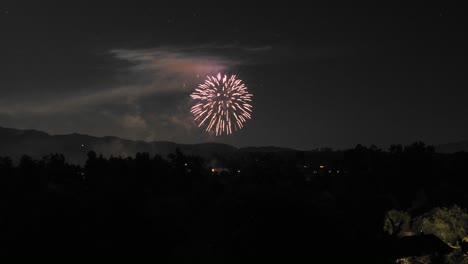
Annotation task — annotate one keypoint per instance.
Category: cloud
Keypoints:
(146, 98)
(74, 103)
(176, 62)
(149, 72)
(134, 121)
(258, 49)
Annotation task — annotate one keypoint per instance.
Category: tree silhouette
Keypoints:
(264, 203)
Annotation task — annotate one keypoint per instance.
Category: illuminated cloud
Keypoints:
(145, 95)
(149, 72)
(172, 62)
(134, 121)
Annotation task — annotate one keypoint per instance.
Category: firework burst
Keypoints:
(222, 103)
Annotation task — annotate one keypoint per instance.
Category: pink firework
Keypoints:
(223, 103)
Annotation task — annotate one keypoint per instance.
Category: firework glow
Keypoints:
(222, 103)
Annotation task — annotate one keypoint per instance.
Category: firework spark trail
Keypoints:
(221, 99)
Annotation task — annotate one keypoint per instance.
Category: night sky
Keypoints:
(321, 76)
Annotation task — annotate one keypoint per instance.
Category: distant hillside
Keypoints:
(15, 143)
(266, 149)
(452, 147)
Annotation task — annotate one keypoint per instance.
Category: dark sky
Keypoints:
(320, 75)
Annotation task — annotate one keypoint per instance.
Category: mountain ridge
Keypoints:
(75, 146)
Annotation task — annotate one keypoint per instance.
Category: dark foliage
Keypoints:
(329, 206)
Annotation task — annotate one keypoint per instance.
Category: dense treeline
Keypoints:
(259, 204)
